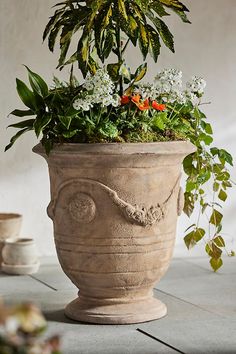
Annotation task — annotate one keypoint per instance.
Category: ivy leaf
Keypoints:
(219, 241)
(189, 240)
(188, 204)
(216, 263)
(192, 238)
(216, 217)
(203, 176)
(226, 156)
(207, 127)
(109, 130)
(159, 121)
(216, 186)
(213, 250)
(66, 121)
(207, 139)
(70, 133)
(222, 195)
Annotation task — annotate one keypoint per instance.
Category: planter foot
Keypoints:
(121, 313)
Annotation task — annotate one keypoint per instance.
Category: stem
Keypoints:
(120, 59)
(126, 44)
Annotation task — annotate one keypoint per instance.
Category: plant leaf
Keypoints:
(222, 195)
(41, 122)
(219, 241)
(66, 121)
(15, 137)
(26, 95)
(24, 124)
(216, 263)
(37, 83)
(216, 217)
(21, 113)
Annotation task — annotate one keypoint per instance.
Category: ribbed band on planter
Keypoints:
(114, 209)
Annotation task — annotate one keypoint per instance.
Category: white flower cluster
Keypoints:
(196, 85)
(169, 86)
(99, 90)
(169, 80)
(146, 90)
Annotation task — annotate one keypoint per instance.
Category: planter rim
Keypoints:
(9, 216)
(19, 241)
(155, 148)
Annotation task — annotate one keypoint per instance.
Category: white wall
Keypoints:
(207, 48)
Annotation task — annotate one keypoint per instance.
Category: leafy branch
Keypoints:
(97, 24)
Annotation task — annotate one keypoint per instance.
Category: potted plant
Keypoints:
(114, 148)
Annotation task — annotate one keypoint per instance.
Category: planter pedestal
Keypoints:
(114, 209)
(135, 311)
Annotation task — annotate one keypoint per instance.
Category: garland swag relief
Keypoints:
(82, 207)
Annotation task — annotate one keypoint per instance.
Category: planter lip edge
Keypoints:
(8, 216)
(20, 241)
(177, 147)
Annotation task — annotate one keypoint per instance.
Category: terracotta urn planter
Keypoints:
(10, 225)
(114, 209)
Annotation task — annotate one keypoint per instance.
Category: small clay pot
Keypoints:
(10, 225)
(20, 256)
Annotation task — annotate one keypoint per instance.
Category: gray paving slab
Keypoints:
(53, 276)
(196, 336)
(201, 312)
(11, 285)
(49, 301)
(178, 308)
(229, 266)
(92, 339)
(194, 282)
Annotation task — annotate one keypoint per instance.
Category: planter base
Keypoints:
(125, 313)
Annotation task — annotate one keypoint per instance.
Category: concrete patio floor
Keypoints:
(201, 311)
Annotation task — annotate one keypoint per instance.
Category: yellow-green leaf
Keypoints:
(216, 217)
(216, 263)
(219, 241)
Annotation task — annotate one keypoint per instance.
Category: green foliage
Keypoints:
(59, 122)
(206, 165)
(106, 27)
(98, 25)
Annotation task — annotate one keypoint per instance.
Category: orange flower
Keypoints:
(124, 100)
(158, 107)
(144, 106)
(136, 99)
